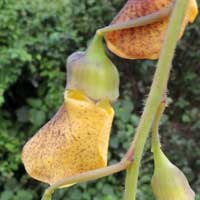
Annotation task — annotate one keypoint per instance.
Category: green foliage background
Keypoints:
(36, 37)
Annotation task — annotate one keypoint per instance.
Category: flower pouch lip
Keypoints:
(75, 140)
(143, 42)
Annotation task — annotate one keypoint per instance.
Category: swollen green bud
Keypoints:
(168, 182)
(93, 72)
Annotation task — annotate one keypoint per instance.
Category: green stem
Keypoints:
(87, 176)
(140, 21)
(96, 48)
(155, 127)
(157, 90)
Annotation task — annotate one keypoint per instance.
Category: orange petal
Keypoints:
(143, 42)
(75, 140)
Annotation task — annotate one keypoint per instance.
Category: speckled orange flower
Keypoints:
(75, 140)
(143, 42)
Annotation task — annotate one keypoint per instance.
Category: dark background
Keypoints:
(36, 37)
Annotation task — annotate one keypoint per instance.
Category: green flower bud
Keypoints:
(93, 72)
(168, 182)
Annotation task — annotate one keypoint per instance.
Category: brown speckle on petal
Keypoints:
(75, 140)
(143, 42)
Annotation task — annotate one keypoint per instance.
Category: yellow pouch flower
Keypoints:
(75, 140)
(143, 42)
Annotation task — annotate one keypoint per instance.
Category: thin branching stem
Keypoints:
(158, 88)
(87, 176)
(156, 123)
(140, 21)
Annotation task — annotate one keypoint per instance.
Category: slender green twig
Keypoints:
(140, 21)
(157, 90)
(155, 127)
(87, 176)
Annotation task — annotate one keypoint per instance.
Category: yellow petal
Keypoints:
(192, 11)
(143, 42)
(75, 140)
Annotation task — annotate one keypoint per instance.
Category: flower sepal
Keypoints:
(169, 182)
(93, 72)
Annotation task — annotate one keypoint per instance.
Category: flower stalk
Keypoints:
(140, 21)
(156, 123)
(157, 90)
(87, 176)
